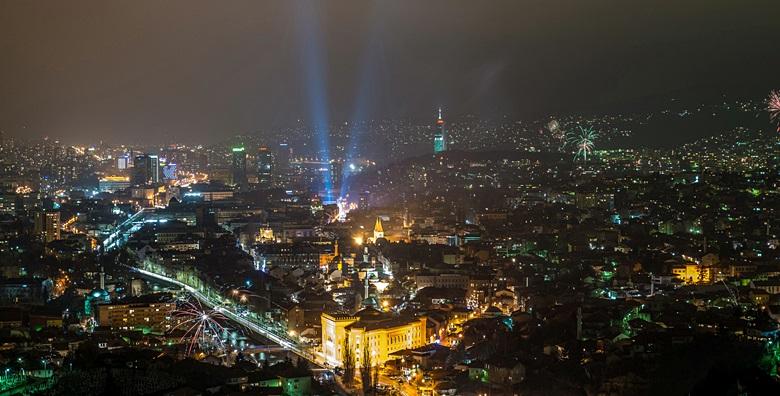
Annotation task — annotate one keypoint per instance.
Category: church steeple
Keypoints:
(379, 231)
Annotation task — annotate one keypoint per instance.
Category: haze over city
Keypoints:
(198, 71)
(398, 198)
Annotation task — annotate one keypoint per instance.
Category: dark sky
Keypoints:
(198, 71)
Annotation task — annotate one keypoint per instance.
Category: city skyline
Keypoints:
(389, 198)
(98, 71)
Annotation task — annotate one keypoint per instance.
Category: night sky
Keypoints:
(196, 71)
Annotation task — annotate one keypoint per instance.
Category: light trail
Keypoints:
(112, 241)
(230, 314)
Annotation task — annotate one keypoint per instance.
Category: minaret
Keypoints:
(365, 294)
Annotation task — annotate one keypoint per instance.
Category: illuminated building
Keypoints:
(692, 273)
(169, 172)
(265, 166)
(239, 166)
(264, 235)
(113, 183)
(440, 138)
(363, 200)
(379, 231)
(383, 334)
(140, 313)
(336, 174)
(283, 158)
(32, 291)
(123, 162)
(146, 170)
(445, 281)
(7, 203)
(47, 225)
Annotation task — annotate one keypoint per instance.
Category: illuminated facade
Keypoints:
(379, 231)
(135, 316)
(692, 273)
(113, 183)
(47, 225)
(381, 333)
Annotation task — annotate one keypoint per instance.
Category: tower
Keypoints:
(282, 168)
(146, 169)
(440, 138)
(265, 166)
(47, 225)
(379, 231)
(239, 166)
(366, 287)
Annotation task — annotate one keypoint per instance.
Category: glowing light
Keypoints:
(313, 58)
(344, 208)
(381, 286)
(773, 107)
(358, 239)
(200, 324)
(583, 140)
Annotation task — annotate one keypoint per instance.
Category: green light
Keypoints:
(238, 149)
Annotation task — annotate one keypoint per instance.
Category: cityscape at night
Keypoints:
(400, 198)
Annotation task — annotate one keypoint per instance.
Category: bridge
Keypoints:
(122, 231)
(253, 325)
(283, 341)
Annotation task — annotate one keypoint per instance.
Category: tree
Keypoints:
(365, 371)
(349, 362)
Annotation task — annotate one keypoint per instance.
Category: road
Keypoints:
(116, 238)
(404, 388)
(284, 342)
(230, 314)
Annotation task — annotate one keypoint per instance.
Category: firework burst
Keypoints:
(556, 132)
(583, 140)
(201, 325)
(773, 107)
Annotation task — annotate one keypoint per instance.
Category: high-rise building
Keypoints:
(282, 164)
(47, 225)
(146, 169)
(283, 158)
(336, 174)
(440, 138)
(265, 166)
(239, 166)
(123, 162)
(363, 200)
